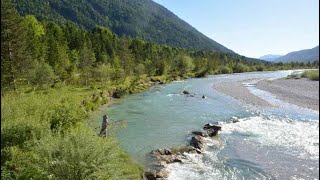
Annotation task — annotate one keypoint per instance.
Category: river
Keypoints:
(268, 143)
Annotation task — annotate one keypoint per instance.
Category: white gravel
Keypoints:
(238, 91)
(301, 92)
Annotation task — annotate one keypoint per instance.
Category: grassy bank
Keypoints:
(44, 135)
(310, 74)
(45, 132)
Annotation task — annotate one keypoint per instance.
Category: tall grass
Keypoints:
(311, 74)
(44, 135)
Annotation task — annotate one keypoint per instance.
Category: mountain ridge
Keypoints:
(270, 57)
(305, 55)
(144, 19)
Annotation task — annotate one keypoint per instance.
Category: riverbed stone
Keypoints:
(165, 155)
(149, 175)
(197, 142)
(186, 92)
(200, 133)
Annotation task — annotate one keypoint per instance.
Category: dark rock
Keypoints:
(186, 92)
(118, 93)
(200, 133)
(170, 158)
(149, 175)
(212, 132)
(165, 155)
(235, 121)
(197, 142)
(160, 152)
(212, 126)
(211, 129)
(203, 97)
(155, 173)
(191, 149)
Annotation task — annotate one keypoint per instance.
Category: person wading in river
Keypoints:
(105, 122)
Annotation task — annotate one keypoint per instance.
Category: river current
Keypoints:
(281, 142)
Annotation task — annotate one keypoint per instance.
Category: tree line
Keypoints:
(43, 53)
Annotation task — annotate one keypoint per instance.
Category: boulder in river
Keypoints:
(200, 133)
(211, 129)
(160, 152)
(149, 175)
(235, 121)
(165, 155)
(155, 174)
(212, 132)
(212, 126)
(197, 142)
(191, 149)
(186, 92)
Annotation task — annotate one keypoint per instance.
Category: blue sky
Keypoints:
(253, 27)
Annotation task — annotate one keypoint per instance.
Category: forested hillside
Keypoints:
(48, 53)
(138, 18)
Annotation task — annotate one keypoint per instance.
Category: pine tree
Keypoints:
(15, 61)
(35, 38)
(87, 59)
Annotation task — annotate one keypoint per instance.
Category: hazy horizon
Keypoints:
(253, 28)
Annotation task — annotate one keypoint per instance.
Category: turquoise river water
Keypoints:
(268, 143)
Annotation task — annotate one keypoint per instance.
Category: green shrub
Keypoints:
(313, 75)
(65, 115)
(260, 68)
(31, 150)
(240, 68)
(225, 70)
(75, 154)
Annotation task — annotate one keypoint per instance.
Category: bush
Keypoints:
(31, 150)
(75, 154)
(313, 75)
(225, 70)
(43, 74)
(260, 68)
(240, 68)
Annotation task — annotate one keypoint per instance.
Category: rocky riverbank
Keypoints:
(160, 158)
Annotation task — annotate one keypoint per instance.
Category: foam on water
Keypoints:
(300, 137)
(208, 165)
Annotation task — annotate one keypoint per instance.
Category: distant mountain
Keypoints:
(270, 57)
(138, 18)
(300, 56)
